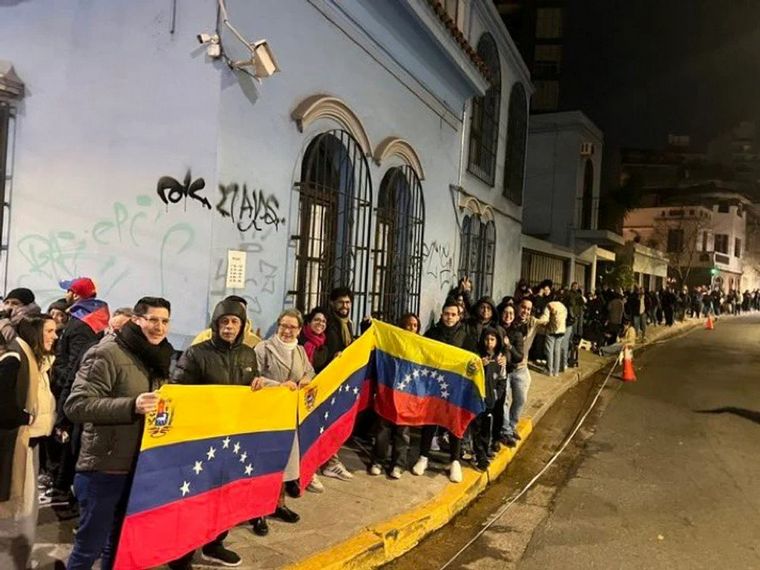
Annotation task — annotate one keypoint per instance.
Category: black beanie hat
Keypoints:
(21, 294)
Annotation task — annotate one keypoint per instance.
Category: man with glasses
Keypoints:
(114, 388)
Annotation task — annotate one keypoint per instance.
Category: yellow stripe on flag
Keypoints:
(189, 413)
(354, 357)
(426, 352)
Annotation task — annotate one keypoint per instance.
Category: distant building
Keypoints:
(561, 206)
(538, 28)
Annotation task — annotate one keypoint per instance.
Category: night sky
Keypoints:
(641, 69)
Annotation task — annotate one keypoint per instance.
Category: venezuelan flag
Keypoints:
(93, 312)
(327, 407)
(425, 382)
(211, 457)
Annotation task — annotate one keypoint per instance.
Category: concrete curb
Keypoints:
(380, 543)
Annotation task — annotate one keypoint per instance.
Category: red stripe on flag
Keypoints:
(158, 536)
(327, 445)
(402, 408)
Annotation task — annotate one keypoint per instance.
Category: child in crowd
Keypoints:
(491, 350)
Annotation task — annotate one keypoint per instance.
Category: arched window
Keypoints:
(400, 223)
(333, 222)
(517, 132)
(587, 200)
(476, 258)
(484, 128)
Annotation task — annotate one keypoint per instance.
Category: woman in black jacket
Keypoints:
(514, 342)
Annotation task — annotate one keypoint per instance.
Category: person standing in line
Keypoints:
(283, 362)
(18, 303)
(223, 359)
(389, 436)
(27, 412)
(115, 387)
(339, 334)
(518, 381)
(449, 330)
(555, 332)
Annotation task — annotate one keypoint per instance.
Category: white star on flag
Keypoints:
(236, 449)
(425, 371)
(416, 373)
(211, 453)
(327, 414)
(185, 488)
(248, 469)
(322, 429)
(198, 467)
(356, 390)
(243, 457)
(445, 394)
(226, 442)
(332, 401)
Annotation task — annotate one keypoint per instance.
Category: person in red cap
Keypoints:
(88, 320)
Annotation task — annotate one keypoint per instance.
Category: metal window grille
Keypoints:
(333, 222)
(537, 266)
(400, 221)
(7, 129)
(517, 133)
(476, 257)
(484, 127)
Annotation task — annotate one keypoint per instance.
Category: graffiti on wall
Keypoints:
(438, 263)
(62, 253)
(171, 191)
(249, 208)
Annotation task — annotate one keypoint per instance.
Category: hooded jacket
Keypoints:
(495, 374)
(8, 324)
(474, 325)
(216, 361)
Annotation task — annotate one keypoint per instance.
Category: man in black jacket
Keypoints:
(450, 330)
(223, 359)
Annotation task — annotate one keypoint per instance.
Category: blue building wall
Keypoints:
(115, 102)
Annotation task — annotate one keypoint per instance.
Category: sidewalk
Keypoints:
(369, 521)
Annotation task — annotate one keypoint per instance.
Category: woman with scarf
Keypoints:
(313, 339)
(283, 362)
(27, 412)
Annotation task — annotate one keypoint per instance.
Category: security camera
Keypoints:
(213, 47)
(204, 38)
(265, 64)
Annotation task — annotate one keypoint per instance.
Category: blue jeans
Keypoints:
(640, 323)
(564, 351)
(518, 383)
(102, 502)
(554, 353)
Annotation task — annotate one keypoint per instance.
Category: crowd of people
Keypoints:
(77, 381)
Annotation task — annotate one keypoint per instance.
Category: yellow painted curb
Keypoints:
(380, 543)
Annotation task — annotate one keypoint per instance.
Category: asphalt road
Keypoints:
(665, 474)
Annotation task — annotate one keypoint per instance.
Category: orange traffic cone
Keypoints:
(709, 325)
(628, 374)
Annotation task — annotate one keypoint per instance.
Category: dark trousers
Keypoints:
(67, 465)
(102, 503)
(498, 416)
(385, 432)
(184, 562)
(482, 429)
(426, 440)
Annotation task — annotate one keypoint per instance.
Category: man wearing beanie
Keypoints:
(222, 359)
(18, 303)
(450, 330)
(250, 338)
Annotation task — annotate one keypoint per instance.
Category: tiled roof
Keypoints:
(460, 38)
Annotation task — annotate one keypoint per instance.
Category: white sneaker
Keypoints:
(396, 472)
(455, 472)
(315, 485)
(421, 465)
(375, 469)
(337, 471)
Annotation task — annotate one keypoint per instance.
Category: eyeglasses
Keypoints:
(319, 320)
(155, 320)
(288, 327)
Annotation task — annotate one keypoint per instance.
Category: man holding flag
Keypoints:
(451, 331)
(112, 392)
(223, 359)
